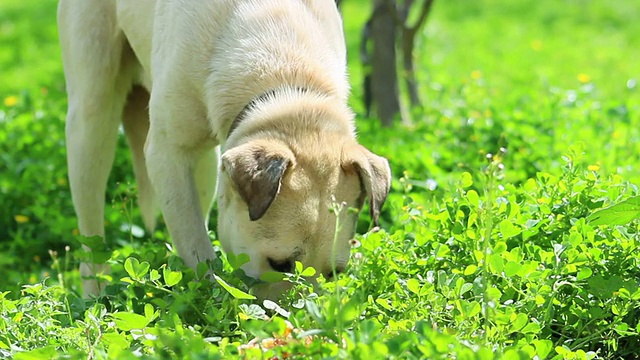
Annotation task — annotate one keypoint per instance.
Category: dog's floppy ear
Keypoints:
(256, 171)
(374, 173)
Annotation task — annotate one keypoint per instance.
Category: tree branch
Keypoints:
(424, 13)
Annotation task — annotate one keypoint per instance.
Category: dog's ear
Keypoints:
(374, 173)
(256, 171)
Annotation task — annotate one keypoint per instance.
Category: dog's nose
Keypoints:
(285, 266)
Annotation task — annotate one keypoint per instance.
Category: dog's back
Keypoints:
(231, 44)
(309, 53)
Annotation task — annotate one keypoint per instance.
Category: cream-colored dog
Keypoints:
(264, 79)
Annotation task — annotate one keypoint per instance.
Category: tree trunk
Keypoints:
(408, 42)
(384, 80)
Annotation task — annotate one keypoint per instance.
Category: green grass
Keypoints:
(489, 247)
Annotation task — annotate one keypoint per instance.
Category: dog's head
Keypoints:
(275, 201)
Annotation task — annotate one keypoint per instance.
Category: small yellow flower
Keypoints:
(584, 78)
(36, 258)
(543, 201)
(616, 134)
(476, 74)
(10, 100)
(536, 45)
(593, 167)
(21, 219)
(46, 274)
(32, 279)
(62, 182)
(75, 232)
(18, 317)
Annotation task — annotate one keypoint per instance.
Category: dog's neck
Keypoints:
(242, 115)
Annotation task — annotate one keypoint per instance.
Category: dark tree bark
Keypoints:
(390, 23)
(408, 40)
(384, 80)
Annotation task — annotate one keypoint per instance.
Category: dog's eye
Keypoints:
(285, 266)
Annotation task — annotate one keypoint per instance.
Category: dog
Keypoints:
(245, 99)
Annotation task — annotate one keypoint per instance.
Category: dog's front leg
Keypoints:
(171, 171)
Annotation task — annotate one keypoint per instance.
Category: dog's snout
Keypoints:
(285, 266)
